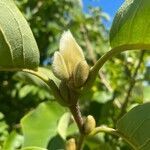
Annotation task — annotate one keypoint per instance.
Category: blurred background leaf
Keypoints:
(40, 125)
(21, 92)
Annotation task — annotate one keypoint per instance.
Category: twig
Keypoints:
(75, 110)
(131, 86)
(105, 82)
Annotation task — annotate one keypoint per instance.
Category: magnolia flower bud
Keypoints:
(70, 144)
(59, 67)
(81, 73)
(69, 63)
(89, 124)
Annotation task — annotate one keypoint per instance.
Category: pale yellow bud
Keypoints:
(89, 124)
(70, 144)
(70, 50)
(69, 56)
(59, 67)
(81, 73)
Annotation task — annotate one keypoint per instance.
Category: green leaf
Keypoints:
(40, 125)
(3, 128)
(130, 29)
(42, 78)
(135, 127)
(33, 148)
(13, 141)
(146, 93)
(63, 124)
(32, 79)
(60, 143)
(18, 48)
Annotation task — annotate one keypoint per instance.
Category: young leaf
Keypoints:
(40, 125)
(18, 48)
(135, 127)
(130, 29)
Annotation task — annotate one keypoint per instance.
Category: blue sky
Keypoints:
(108, 6)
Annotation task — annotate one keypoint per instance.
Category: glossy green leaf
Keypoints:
(130, 29)
(33, 148)
(135, 127)
(18, 48)
(40, 125)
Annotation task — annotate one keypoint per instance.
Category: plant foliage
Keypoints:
(31, 118)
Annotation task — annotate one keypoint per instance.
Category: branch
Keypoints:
(75, 110)
(98, 65)
(94, 70)
(131, 86)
